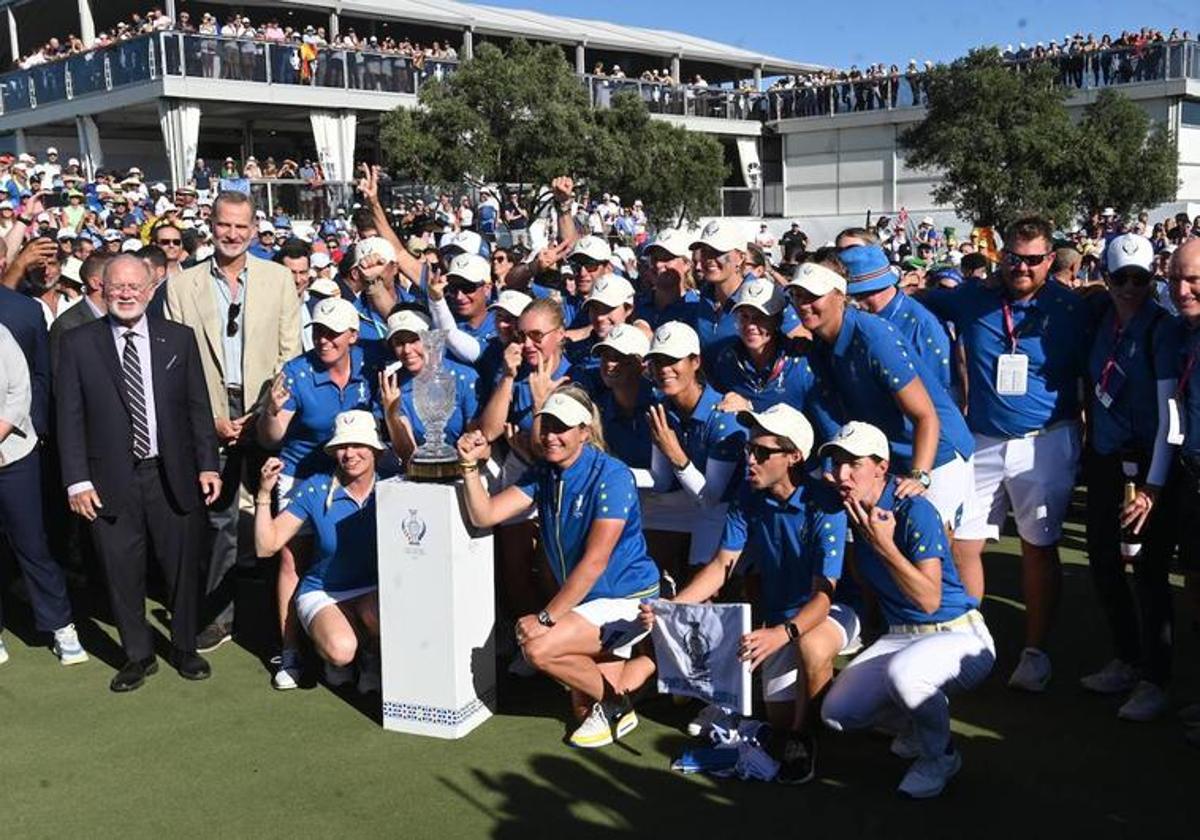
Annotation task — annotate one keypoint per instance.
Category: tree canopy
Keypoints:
(1005, 145)
(522, 116)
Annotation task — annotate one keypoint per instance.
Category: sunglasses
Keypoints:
(231, 325)
(536, 336)
(1031, 260)
(168, 243)
(499, 258)
(761, 453)
(462, 288)
(1137, 278)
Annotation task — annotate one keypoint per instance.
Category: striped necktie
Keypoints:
(131, 368)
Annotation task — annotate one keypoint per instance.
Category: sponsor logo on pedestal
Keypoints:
(413, 528)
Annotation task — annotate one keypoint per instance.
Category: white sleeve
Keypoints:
(643, 479)
(1160, 461)
(660, 471)
(708, 488)
(464, 347)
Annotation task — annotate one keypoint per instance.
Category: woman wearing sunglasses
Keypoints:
(1132, 371)
(587, 503)
(696, 463)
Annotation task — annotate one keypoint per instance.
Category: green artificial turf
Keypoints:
(231, 758)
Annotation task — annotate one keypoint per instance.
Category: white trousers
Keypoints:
(911, 674)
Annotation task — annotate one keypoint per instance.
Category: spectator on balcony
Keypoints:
(252, 170)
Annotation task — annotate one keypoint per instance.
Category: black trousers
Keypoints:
(148, 524)
(1143, 632)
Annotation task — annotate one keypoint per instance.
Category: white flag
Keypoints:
(696, 646)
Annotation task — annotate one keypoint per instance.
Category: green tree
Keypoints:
(1001, 140)
(1127, 161)
(522, 116)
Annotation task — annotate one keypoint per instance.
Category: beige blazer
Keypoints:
(271, 312)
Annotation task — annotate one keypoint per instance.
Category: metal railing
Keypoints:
(150, 57)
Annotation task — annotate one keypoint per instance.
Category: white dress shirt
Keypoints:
(16, 400)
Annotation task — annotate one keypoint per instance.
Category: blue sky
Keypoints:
(828, 33)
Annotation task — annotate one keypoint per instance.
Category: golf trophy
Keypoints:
(434, 390)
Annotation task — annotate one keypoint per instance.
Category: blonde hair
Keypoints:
(577, 393)
(547, 306)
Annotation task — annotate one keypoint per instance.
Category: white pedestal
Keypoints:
(437, 612)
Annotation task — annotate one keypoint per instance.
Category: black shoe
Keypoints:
(799, 763)
(213, 636)
(190, 665)
(132, 674)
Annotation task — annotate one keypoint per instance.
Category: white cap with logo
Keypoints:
(860, 440)
(817, 280)
(512, 302)
(355, 428)
(611, 290)
(463, 241)
(723, 236)
(470, 267)
(675, 340)
(671, 241)
(335, 314)
(625, 339)
(406, 321)
(325, 287)
(371, 246)
(1129, 250)
(591, 248)
(783, 421)
(762, 294)
(566, 409)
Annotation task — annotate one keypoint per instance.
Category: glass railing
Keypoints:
(151, 57)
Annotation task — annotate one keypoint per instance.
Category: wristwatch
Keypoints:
(792, 630)
(922, 477)
(544, 619)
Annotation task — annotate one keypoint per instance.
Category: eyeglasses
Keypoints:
(500, 258)
(536, 336)
(462, 288)
(761, 453)
(1031, 260)
(231, 325)
(168, 243)
(1138, 278)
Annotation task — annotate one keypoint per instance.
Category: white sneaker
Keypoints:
(519, 666)
(291, 667)
(1147, 702)
(369, 679)
(1116, 677)
(604, 725)
(3, 652)
(701, 725)
(1032, 672)
(67, 647)
(927, 777)
(907, 744)
(337, 676)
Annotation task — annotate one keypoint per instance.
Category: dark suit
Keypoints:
(24, 319)
(159, 498)
(76, 316)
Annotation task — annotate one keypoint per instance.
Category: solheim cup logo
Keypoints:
(413, 528)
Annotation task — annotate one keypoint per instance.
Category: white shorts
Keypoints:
(308, 604)
(952, 490)
(283, 490)
(618, 621)
(678, 512)
(1035, 475)
(778, 671)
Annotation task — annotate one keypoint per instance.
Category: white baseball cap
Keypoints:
(512, 302)
(43, 217)
(70, 270)
(817, 279)
(263, 226)
(320, 259)
(325, 287)
(51, 151)
(675, 340)
(64, 234)
(471, 267)
(782, 421)
(591, 248)
(131, 246)
(464, 241)
(357, 428)
(859, 439)
(336, 314)
(566, 409)
(406, 321)
(1129, 250)
(722, 236)
(611, 290)
(928, 220)
(671, 241)
(1108, 211)
(371, 246)
(762, 294)
(626, 339)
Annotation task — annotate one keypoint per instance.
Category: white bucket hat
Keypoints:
(356, 428)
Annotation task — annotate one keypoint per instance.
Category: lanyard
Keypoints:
(1111, 363)
(1009, 329)
(758, 381)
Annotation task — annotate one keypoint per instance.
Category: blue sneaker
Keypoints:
(67, 647)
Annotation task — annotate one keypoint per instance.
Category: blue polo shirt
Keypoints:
(1123, 371)
(924, 332)
(627, 436)
(466, 401)
(716, 326)
(788, 542)
(484, 333)
(1053, 328)
(1188, 392)
(520, 410)
(920, 536)
(317, 402)
(597, 486)
(345, 548)
(685, 310)
(867, 365)
(371, 325)
(574, 314)
(789, 379)
(707, 433)
(488, 365)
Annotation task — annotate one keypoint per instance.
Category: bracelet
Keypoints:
(261, 503)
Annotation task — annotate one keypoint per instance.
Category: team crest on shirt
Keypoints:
(698, 649)
(413, 528)
(577, 508)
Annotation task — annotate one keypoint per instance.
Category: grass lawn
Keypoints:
(231, 758)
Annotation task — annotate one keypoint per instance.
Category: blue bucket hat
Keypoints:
(869, 267)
